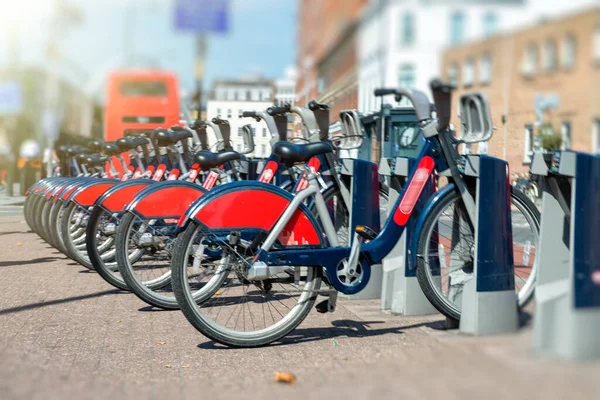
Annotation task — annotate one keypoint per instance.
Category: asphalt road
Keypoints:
(65, 333)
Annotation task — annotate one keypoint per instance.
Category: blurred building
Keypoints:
(327, 62)
(68, 118)
(285, 88)
(400, 42)
(229, 98)
(545, 75)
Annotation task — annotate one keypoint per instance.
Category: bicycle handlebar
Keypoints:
(278, 110)
(313, 106)
(383, 92)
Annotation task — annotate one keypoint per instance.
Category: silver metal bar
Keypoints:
(288, 213)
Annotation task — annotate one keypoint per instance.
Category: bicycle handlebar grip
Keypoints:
(313, 106)
(219, 121)
(197, 124)
(278, 110)
(438, 86)
(249, 114)
(383, 92)
(176, 128)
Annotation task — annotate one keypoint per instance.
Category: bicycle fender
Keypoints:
(117, 197)
(167, 199)
(87, 195)
(69, 190)
(256, 206)
(432, 202)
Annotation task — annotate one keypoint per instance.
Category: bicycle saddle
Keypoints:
(81, 157)
(95, 160)
(207, 159)
(74, 150)
(125, 144)
(111, 149)
(291, 153)
(95, 145)
(164, 137)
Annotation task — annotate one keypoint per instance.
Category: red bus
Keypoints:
(139, 101)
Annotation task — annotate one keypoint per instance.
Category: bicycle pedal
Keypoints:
(365, 232)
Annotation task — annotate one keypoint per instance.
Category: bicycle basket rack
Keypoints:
(351, 131)
(475, 117)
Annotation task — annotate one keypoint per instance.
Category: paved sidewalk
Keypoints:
(65, 333)
(11, 201)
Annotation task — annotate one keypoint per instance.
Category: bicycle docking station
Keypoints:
(400, 290)
(488, 300)
(567, 294)
(364, 210)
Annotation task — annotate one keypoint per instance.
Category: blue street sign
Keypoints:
(11, 98)
(202, 16)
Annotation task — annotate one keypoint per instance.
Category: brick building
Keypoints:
(547, 74)
(327, 61)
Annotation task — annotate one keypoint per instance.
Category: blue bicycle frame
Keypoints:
(430, 159)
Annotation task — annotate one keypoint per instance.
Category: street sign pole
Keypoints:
(199, 70)
(201, 17)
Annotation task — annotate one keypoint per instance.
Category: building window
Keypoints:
(242, 95)
(468, 73)
(457, 27)
(240, 132)
(565, 129)
(406, 76)
(407, 29)
(229, 113)
(453, 74)
(264, 132)
(528, 148)
(238, 147)
(485, 69)
(530, 60)
(263, 149)
(490, 24)
(218, 112)
(320, 85)
(597, 45)
(568, 52)
(549, 55)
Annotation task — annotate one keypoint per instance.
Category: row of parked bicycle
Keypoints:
(244, 253)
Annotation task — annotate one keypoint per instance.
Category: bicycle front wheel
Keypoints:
(239, 312)
(447, 246)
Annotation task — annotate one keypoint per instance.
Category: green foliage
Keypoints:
(550, 139)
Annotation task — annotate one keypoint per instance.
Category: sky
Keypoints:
(261, 39)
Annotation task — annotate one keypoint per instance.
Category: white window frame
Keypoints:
(485, 69)
(454, 74)
(596, 136)
(468, 78)
(530, 60)
(597, 45)
(528, 144)
(550, 56)
(568, 51)
(566, 134)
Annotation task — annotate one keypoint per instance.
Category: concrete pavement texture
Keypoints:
(65, 333)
